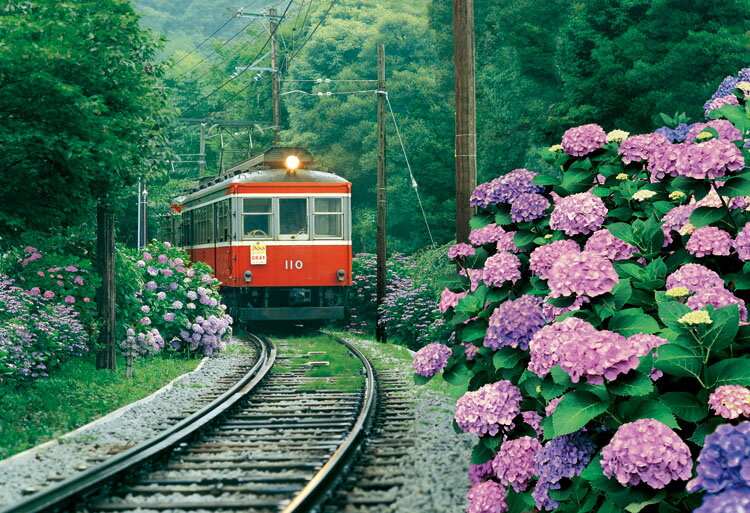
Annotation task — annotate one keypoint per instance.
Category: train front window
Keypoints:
(293, 219)
(257, 214)
(329, 218)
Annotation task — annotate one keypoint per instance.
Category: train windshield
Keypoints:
(256, 218)
(329, 218)
(293, 219)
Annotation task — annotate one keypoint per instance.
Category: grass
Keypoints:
(74, 395)
(344, 372)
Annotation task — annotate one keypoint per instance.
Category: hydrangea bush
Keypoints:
(601, 327)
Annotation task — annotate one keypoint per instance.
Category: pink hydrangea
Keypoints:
(486, 497)
(675, 220)
(431, 359)
(48, 294)
(545, 346)
(742, 243)
(580, 213)
(718, 297)
(470, 350)
(584, 274)
(459, 250)
(608, 246)
(694, 277)
(528, 207)
(710, 159)
(475, 277)
(549, 409)
(582, 140)
(486, 235)
(646, 451)
(449, 299)
(645, 343)
(598, 355)
(489, 409)
(543, 258)
(514, 462)
(709, 240)
(730, 401)
(506, 242)
(534, 420)
(481, 472)
(501, 267)
(723, 127)
(665, 160)
(638, 148)
(69, 299)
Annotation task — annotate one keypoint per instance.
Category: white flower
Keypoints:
(643, 194)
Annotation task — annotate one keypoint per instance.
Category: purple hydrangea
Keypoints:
(504, 189)
(514, 322)
(479, 473)
(694, 277)
(449, 299)
(431, 359)
(545, 346)
(151, 285)
(552, 312)
(470, 350)
(486, 235)
(645, 343)
(732, 501)
(646, 451)
(534, 420)
(507, 243)
(718, 297)
(486, 497)
(723, 127)
(582, 140)
(597, 355)
(579, 213)
(514, 462)
(675, 220)
(608, 246)
(742, 243)
(562, 457)
(711, 159)
(730, 401)
(528, 206)
(709, 240)
(664, 160)
(584, 274)
(549, 409)
(544, 257)
(169, 317)
(489, 409)
(460, 250)
(725, 89)
(501, 267)
(639, 148)
(724, 460)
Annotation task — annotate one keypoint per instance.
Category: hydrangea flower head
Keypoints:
(742, 243)
(724, 460)
(617, 136)
(695, 318)
(489, 409)
(528, 206)
(639, 148)
(449, 299)
(582, 140)
(723, 127)
(731, 501)
(711, 159)
(431, 359)
(562, 457)
(546, 344)
(646, 451)
(608, 246)
(675, 220)
(514, 322)
(730, 401)
(486, 235)
(514, 462)
(598, 355)
(552, 312)
(580, 213)
(501, 267)
(584, 274)
(717, 297)
(543, 258)
(677, 292)
(534, 420)
(709, 240)
(486, 497)
(694, 277)
(460, 250)
(481, 472)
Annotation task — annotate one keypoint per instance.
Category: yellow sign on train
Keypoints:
(258, 255)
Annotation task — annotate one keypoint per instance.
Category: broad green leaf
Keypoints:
(523, 238)
(637, 507)
(622, 231)
(420, 380)
(575, 410)
(721, 332)
(545, 180)
(735, 371)
(457, 375)
(633, 321)
(473, 331)
(685, 406)
(611, 303)
(632, 384)
(648, 409)
(480, 221)
(481, 454)
(561, 302)
(678, 361)
(507, 358)
(670, 312)
(736, 186)
(703, 216)
(705, 429)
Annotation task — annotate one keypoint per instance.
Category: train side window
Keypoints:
(203, 224)
(293, 219)
(187, 228)
(222, 221)
(257, 215)
(329, 218)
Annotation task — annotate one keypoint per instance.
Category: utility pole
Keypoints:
(466, 123)
(275, 80)
(380, 334)
(144, 213)
(202, 150)
(105, 295)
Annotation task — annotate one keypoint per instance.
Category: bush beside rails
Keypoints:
(165, 304)
(601, 324)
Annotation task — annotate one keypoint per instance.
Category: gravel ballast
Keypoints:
(37, 468)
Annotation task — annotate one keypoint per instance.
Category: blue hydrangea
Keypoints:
(731, 501)
(675, 135)
(724, 462)
(514, 322)
(528, 206)
(562, 457)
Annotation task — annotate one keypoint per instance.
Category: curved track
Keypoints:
(265, 445)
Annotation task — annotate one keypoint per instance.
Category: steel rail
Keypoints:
(323, 481)
(58, 496)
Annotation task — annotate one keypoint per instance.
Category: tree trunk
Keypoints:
(105, 296)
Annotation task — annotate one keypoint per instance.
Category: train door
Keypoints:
(223, 243)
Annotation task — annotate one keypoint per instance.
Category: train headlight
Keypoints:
(292, 162)
(248, 276)
(341, 274)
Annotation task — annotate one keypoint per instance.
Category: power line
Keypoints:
(204, 41)
(320, 22)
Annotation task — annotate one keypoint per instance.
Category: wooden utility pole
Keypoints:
(202, 150)
(466, 123)
(105, 296)
(275, 82)
(380, 334)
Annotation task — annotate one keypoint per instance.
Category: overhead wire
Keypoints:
(312, 33)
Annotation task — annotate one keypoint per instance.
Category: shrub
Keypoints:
(604, 303)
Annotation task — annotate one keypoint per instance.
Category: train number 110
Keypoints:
(292, 264)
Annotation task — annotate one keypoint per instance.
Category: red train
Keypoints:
(277, 234)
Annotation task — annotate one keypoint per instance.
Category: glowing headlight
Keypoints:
(292, 162)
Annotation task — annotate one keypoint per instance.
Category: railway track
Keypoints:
(268, 444)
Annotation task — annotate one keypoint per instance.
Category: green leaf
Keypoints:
(560, 377)
(734, 113)
(561, 302)
(545, 180)
(480, 221)
(481, 454)
(721, 332)
(678, 361)
(551, 390)
(458, 374)
(632, 384)
(523, 238)
(735, 371)
(575, 410)
(611, 303)
(473, 331)
(647, 409)
(703, 216)
(670, 312)
(736, 186)
(705, 429)
(685, 406)
(633, 321)
(636, 507)
(507, 358)
(622, 231)
(621, 214)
